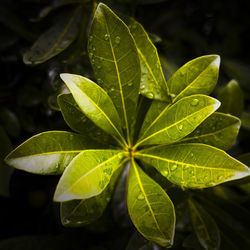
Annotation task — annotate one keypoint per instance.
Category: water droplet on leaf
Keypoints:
(173, 167)
(165, 173)
(195, 102)
(117, 40)
(150, 95)
(140, 197)
(173, 95)
(180, 127)
(106, 37)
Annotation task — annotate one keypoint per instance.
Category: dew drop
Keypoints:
(150, 95)
(180, 127)
(117, 40)
(140, 197)
(186, 167)
(195, 102)
(173, 167)
(112, 90)
(165, 173)
(173, 95)
(143, 87)
(106, 37)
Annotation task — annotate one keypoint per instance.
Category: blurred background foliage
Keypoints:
(40, 39)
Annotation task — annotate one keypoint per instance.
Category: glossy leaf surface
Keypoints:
(204, 226)
(95, 103)
(153, 83)
(88, 174)
(178, 120)
(78, 121)
(48, 152)
(218, 130)
(55, 40)
(115, 61)
(198, 76)
(232, 99)
(150, 208)
(78, 213)
(193, 165)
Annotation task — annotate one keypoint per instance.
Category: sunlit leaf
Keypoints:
(231, 98)
(54, 40)
(153, 83)
(218, 130)
(78, 121)
(95, 103)
(78, 213)
(193, 165)
(198, 76)
(115, 61)
(178, 120)
(204, 226)
(150, 208)
(48, 152)
(88, 174)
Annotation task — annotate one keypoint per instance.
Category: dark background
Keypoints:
(182, 31)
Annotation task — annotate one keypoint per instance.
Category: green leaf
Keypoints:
(218, 130)
(77, 213)
(198, 76)
(150, 208)
(115, 61)
(95, 103)
(88, 174)
(193, 165)
(176, 121)
(78, 121)
(153, 83)
(204, 226)
(54, 40)
(232, 99)
(48, 152)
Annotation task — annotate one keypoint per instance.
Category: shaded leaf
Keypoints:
(218, 130)
(231, 98)
(78, 121)
(204, 226)
(54, 40)
(115, 61)
(48, 152)
(153, 84)
(95, 103)
(150, 208)
(88, 174)
(193, 165)
(198, 76)
(177, 121)
(78, 213)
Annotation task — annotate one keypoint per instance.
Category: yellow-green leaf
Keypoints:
(88, 174)
(178, 120)
(153, 83)
(218, 130)
(95, 103)
(48, 152)
(193, 165)
(204, 226)
(198, 76)
(150, 208)
(115, 61)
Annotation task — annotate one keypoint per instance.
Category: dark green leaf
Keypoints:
(231, 98)
(198, 76)
(204, 226)
(150, 208)
(115, 61)
(88, 174)
(95, 103)
(77, 213)
(177, 121)
(48, 152)
(193, 165)
(153, 83)
(54, 40)
(218, 130)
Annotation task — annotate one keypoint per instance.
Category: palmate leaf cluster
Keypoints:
(181, 135)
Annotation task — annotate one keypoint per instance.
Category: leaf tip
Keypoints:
(216, 61)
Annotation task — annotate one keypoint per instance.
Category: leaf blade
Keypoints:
(48, 152)
(155, 227)
(78, 182)
(193, 165)
(110, 42)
